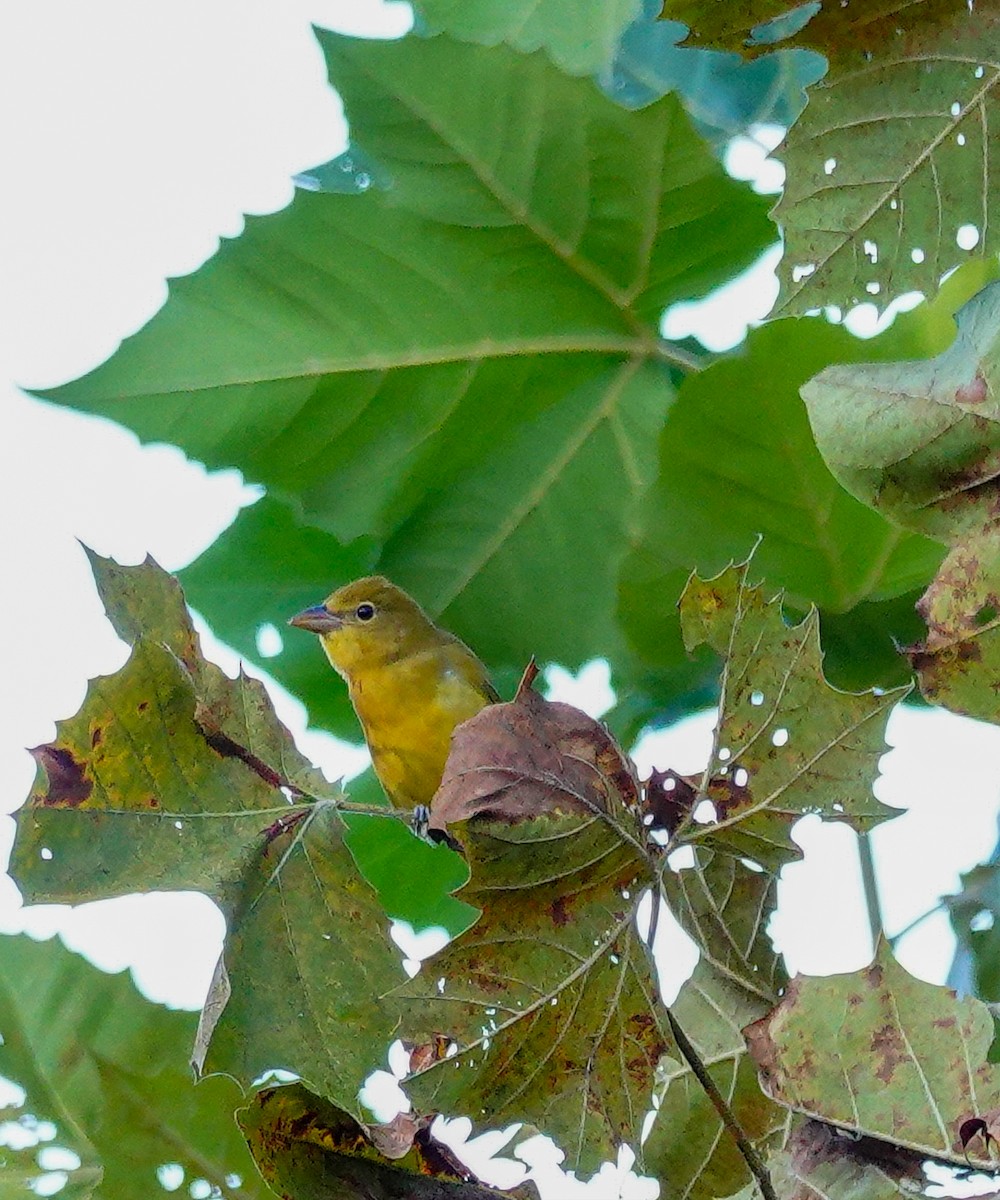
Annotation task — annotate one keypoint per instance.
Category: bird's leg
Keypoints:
(420, 820)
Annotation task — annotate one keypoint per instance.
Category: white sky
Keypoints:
(143, 133)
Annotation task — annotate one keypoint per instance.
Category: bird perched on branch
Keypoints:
(410, 682)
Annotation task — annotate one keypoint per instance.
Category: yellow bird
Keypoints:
(410, 682)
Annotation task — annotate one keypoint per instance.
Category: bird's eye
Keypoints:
(365, 612)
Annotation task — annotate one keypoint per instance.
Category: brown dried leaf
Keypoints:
(309, 1149)
(667, 800)
(515, 761)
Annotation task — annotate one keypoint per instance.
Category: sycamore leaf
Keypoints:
(550, 998)
(688, 1149)
(890, 168)
(265, 568)
(312, 1150)
(465, 367)
(173, 776)
(885, 1055)
(786, 742)
(724, 905)
(820, 1160)
(958, 664)
(579, 36)
(109, 1070)
(738, 461)
(531, 756)
(920, 441)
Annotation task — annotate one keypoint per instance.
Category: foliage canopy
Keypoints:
(445, 362)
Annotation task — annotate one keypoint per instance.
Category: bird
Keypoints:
(410, 682)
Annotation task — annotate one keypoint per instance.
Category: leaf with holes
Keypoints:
(174, 776)
(464, 367)
(786, 743)
(884, 1055)
(890, 169)
(550, 997)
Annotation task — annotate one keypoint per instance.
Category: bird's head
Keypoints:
(367, 622)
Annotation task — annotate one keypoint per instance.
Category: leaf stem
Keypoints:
(873, 904)
(911, 925)
(693, 1059)
(726, 1114)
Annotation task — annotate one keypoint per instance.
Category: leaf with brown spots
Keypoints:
(311, 1150)
(66, 778)
(550, 998)
(531, 756)
(920, 441)
(884, 1055)
(786, 742)
(167, 779)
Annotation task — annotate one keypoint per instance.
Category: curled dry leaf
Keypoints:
(667, 799)
(308, 1148)
(518, 760)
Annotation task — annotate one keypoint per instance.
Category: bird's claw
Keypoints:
(420, 820)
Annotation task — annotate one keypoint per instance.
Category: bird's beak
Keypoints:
(317, 619)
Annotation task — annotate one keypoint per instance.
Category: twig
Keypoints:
(726, 1115)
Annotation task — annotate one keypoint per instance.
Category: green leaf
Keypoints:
(464, 367)
(311, 1150)
(174, 776)
(923, 1050)
(550, 997)
(786, 743)
(738, 461)
(918, 440)
(110, 1071)
(579, 37)
(892, 156)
